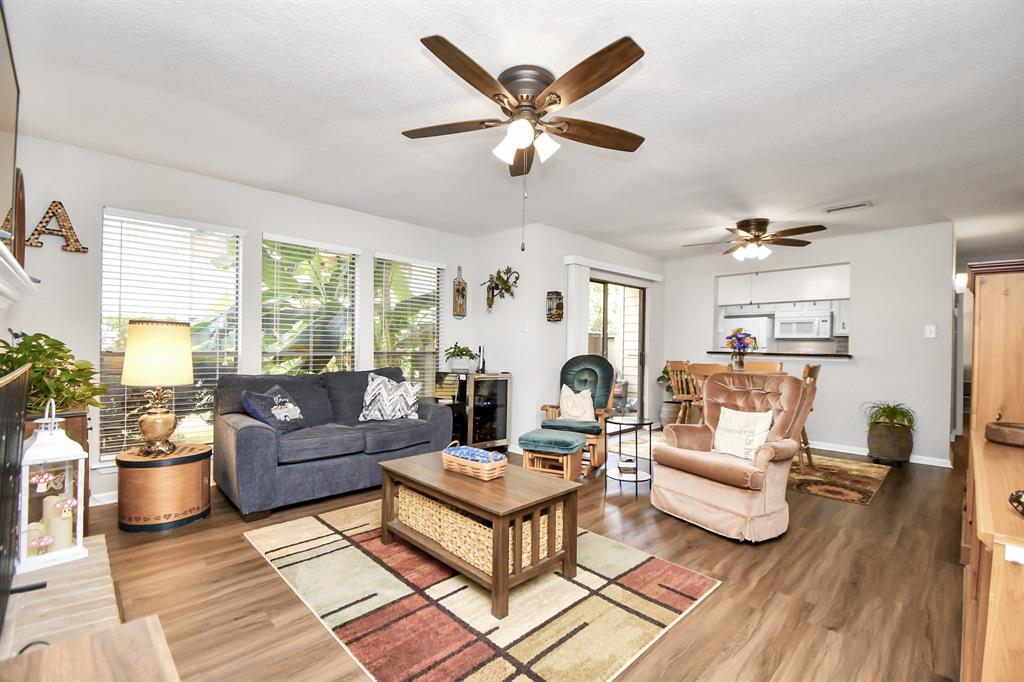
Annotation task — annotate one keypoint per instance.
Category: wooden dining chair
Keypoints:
(757, 367)
(682, 389)
(695, 375)
(810, 378)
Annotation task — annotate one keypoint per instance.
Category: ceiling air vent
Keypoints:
(849, 207)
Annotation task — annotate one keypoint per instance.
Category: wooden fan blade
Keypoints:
(733, 248)
(781, 241)
(799, 230)
(522, 163)
(589, 75)
(596, 134)
(686, 246)
(451, 128)
(738, 232)
(471, 72)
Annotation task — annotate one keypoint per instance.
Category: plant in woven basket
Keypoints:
(890, 431)
(55, 372)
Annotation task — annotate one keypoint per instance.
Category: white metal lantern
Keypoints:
(52, 496)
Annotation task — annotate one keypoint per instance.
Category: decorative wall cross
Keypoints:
(65, 229)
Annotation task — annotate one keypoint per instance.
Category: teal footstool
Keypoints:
(559, 453)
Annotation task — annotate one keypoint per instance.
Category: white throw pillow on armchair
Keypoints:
(576, 406)
(741, 433)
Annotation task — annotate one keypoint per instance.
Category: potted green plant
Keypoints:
(459, 357)
(669, 408)
(55, 373)
(890, 432)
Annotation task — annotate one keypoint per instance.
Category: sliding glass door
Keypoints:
(616, 332)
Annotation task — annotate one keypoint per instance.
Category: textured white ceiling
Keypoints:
(773, 109)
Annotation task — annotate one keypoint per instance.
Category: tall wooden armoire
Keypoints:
(992, 541)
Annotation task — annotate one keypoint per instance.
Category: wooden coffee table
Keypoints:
(505, 502)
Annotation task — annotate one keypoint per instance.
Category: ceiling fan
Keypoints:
(751, 238)
(526, 94)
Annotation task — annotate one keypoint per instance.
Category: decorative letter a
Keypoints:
(67, 230)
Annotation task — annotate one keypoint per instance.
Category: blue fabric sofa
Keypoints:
(260, 469)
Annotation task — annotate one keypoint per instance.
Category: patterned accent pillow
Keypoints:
(386, 399)
(576, 406)
(274, 408)
(742, 433)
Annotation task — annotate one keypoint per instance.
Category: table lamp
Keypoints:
(157, 353)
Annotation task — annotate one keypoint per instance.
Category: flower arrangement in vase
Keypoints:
(740, 343)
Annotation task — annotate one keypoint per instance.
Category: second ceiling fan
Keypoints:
(752, 238)
(526, 94)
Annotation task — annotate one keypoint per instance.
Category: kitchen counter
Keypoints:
(784, 354)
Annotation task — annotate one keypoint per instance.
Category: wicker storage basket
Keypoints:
(485, 471)
(464, 535)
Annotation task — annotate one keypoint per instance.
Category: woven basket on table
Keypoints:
(485, 471)
(466, 536)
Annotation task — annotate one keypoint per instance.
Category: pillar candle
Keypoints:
(48, 510)
(61, 529)
(32, 531)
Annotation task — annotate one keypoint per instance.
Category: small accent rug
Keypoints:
(846, 480)
(402, 615)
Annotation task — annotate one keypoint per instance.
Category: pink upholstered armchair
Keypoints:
(729, 495)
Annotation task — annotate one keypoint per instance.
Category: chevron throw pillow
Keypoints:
(387, 399)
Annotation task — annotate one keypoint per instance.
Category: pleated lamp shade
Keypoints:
(157, 353)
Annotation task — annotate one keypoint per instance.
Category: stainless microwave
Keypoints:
(796, 325)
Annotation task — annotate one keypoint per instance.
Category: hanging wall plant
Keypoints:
(501, 284)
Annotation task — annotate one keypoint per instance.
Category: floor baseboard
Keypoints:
(863, 452)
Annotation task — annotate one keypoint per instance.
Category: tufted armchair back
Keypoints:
(593, 372)
(784, 395)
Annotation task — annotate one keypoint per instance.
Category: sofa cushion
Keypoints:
(587, 427)
(552, 441)
(274, 408)
(307, 390)
(382, 436)
(386, 399)
(319, 442)
(734, 471)
(346, 390)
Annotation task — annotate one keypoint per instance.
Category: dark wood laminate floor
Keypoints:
(851, 592)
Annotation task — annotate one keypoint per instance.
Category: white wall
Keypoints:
(67, 305)
(516, 333)
(901, 280)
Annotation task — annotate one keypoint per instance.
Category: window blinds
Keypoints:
(152, 269)
(309, 306)
(406, 318)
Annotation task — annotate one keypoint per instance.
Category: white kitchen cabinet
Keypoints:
(734, 289)
(841, 323)
(802, 284)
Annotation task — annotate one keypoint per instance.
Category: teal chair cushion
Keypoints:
(593, 372)
(589, 428)
(552, 441)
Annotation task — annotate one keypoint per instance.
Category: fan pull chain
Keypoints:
(522, 244)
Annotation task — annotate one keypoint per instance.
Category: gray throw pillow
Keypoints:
(274, 408)
(386, 399)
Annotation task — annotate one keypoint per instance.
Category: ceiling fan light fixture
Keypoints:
(505, 151)
(545, 146)
(763, 252)
(740, 254)
(520, 133)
